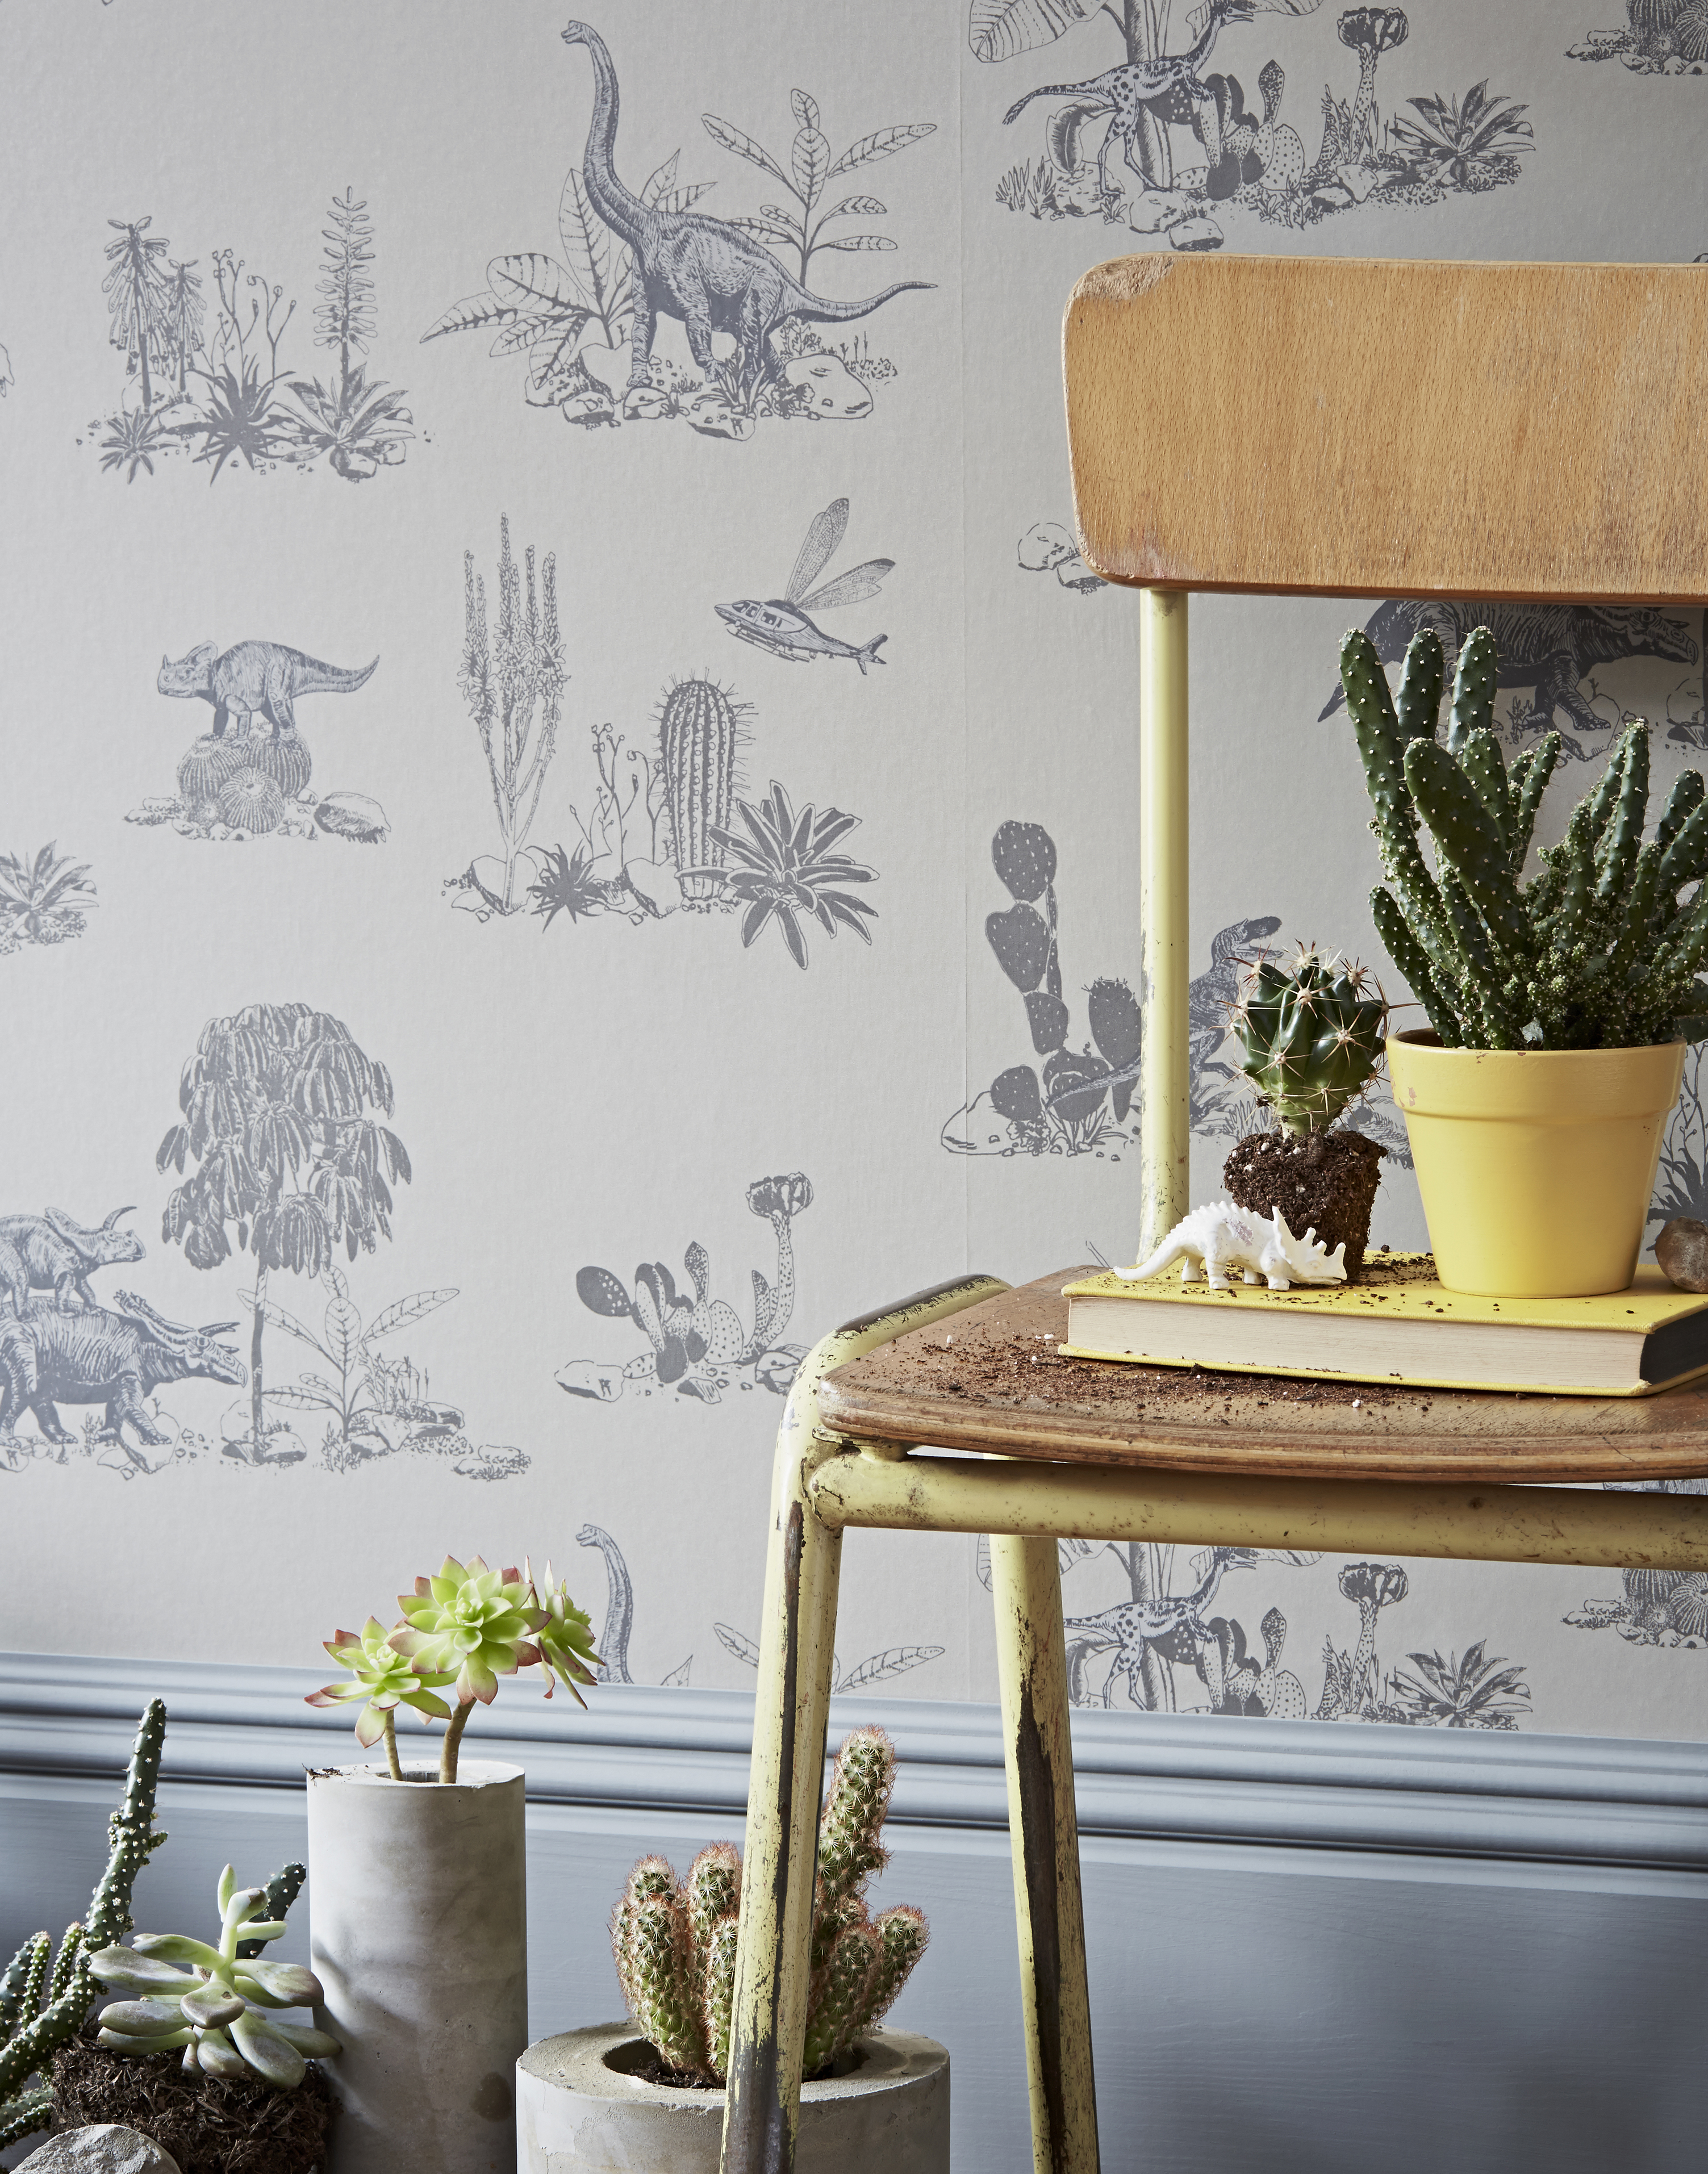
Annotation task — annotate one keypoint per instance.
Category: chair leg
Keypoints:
(804, 1562)
(1032, 1660)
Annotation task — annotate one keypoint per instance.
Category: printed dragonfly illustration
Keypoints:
(781, 625)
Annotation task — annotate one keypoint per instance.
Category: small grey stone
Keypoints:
(1682, 1250)
(103, 2147)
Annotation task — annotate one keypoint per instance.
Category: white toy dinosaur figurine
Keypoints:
(1220, 1236)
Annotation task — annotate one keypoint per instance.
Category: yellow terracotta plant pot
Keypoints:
(1536, 1166)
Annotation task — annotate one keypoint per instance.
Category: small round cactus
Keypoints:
(286, 761)
(1312, 1036)
(207, 766)
(250, 801)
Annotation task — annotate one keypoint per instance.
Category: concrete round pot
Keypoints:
(418, 1932)
(579, 2103)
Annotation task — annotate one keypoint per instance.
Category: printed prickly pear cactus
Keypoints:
(699, 1346)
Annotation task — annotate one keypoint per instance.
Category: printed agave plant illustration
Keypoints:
(1458, 141)
(785, 871)
(359, 427)
(1468, 1692)
(239, 421)
(134, 436)
(42, 900)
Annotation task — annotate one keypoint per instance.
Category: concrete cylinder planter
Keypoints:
(418, 1932)
(583, 2108)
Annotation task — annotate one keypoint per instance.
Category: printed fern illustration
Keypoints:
(45, 898)
(1109, 139)
(801, 230)
(699, 1345)
(630, 260)
(876, 1668)
(220, 390)
(376, 1406)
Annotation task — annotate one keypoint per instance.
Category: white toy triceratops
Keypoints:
(1221, 1236)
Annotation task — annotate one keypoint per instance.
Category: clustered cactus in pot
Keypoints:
(1558, 1004)
(1312, 1033)
(674, 1943)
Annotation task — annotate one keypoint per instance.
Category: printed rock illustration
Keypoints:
(1554, 650)
(1658, 37)
(699, 1346)
(45, 898)
(249, 776)
(376, 1406)
(630, 260)
(1046, 548)
(1253, 162)
(782, 627)
(205, 391)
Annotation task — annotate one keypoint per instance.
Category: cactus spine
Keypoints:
(1312, 1037)
(675, 1945)
(1596, 950)
(698, 729)
(42, 2009)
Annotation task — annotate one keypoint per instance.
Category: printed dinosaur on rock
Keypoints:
(705, 271)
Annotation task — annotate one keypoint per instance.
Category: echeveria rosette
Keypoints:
(565, 1638)
(218, 2006)
(476, 1621)
(386, 1679)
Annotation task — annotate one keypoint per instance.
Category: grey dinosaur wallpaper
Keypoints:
(568, 803)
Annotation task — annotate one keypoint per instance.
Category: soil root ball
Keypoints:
(208, 2125)
(1324, 1181)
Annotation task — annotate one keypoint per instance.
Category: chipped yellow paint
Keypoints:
(1038, 1752)
(1586, 1526)
(792, 1712)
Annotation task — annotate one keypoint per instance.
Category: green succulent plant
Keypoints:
(384, 1679)
(219, 2006)
(674, 1944)
(466, 1626)
(44, 1998)
(1598, 949)
(1311, 1035)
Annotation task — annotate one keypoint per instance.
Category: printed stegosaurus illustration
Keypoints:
(249, 775)
(217, 389)
(757, 337)
(1657, 37)
(1165, 143)
(698, 1346)
(1563, 663)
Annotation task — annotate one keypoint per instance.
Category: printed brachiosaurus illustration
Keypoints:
(1175, 1621)
(1169, 85)
(619, 1606)
(703, 270)
(256, 675)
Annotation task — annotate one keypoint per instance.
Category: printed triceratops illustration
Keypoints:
(697, 1344)
(51, 1252)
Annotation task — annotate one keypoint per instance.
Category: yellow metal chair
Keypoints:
(1288, 426)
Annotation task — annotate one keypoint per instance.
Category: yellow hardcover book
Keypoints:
(1398, 1324)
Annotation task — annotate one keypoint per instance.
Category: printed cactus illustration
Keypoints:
(675, 1942)
(1311, 1036)
(1596, 950)
(219, 2006)
(44, 1998)
(699, 728)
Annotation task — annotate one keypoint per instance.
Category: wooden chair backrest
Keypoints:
(1363, 427)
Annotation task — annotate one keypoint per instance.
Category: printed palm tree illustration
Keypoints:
(136, 295)
(280, 1106)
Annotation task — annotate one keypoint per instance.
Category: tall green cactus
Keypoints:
(698, 730)
(675, 1946)
(1596, 950)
